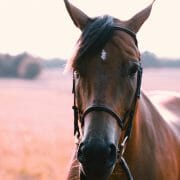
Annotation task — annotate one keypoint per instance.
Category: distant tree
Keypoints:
(29, 68)
(54, 63)
(151, 60)
(22, 66)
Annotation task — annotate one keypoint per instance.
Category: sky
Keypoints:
(43, 27)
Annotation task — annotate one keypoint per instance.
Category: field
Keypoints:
(36, 123)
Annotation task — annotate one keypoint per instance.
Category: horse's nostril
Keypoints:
(80, 154)
(112, 153)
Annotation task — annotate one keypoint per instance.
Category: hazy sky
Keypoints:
(43, 27)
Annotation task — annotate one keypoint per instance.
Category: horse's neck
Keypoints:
(148, 123)
(149, 139)
(149, 126)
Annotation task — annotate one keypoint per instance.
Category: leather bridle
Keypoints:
(125, 123)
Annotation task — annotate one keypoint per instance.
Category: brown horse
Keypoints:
(124, 135)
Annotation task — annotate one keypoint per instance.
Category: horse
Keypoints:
(125, 133)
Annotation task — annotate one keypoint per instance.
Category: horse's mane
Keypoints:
(92, 40)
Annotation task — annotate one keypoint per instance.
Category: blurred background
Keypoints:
(36, 39)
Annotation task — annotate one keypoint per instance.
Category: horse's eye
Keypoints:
(132, 70)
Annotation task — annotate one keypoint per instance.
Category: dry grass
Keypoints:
(36, 123)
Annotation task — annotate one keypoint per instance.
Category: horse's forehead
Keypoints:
(125, 45)
(119, 50)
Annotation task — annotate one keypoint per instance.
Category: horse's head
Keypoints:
(106, 68)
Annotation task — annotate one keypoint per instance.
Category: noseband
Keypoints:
(124, 123)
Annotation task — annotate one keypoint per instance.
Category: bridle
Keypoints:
(125, 123)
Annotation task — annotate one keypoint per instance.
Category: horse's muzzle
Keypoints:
(97, 159)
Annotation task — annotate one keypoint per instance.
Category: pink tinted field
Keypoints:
(36, 122)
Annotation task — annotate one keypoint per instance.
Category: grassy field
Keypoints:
(36, 123)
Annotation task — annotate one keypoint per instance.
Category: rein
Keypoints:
(124, 123)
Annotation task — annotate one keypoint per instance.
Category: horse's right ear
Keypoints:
(79, 18)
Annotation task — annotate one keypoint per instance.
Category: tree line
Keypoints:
(29, 67)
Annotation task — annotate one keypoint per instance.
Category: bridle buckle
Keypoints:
(123, 145)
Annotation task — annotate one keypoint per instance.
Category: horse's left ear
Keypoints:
(79, 18)
(136, 21)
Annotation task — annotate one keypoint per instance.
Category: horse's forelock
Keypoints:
(92, 40)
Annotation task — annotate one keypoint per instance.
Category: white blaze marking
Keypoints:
(103, 55)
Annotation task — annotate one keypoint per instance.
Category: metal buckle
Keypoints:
(123, 146)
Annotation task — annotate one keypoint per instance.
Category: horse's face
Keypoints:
(111, 83)
(106, 78)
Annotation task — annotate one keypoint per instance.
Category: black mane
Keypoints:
(95, 35)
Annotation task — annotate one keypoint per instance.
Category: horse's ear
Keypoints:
(79, 18)
(136, 21)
